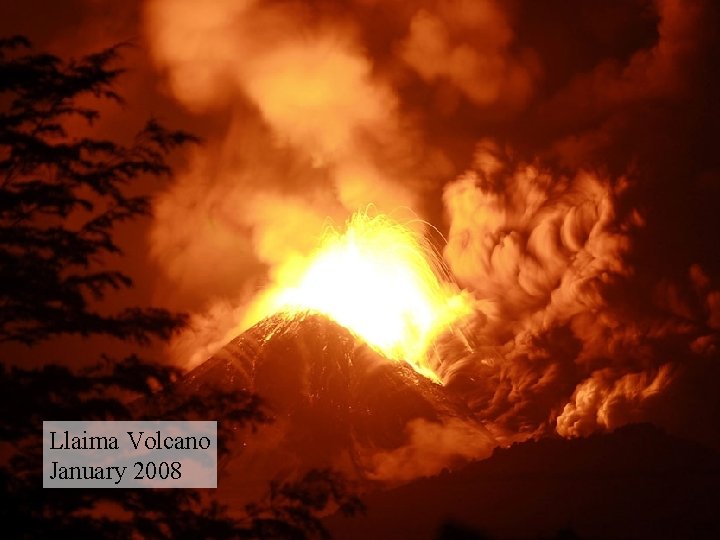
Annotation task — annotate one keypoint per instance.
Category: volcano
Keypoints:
(335, 402)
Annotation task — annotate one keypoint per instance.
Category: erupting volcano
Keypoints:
(379, 279)
(450, 251)
(341, 360)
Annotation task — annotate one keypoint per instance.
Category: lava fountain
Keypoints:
(378, 278)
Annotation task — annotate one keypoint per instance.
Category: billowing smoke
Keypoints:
(560, 346)
(431, 447)
(319, 111)
(543, 253)
(310, 135)
(468, 44)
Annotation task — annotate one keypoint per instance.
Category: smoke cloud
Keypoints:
(469, 44)
(431, 447)
(307, 140)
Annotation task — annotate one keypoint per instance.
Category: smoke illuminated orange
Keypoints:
(380, 280)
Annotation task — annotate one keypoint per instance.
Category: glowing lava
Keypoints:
(380, 280)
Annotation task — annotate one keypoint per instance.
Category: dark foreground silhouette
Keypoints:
(634, 483)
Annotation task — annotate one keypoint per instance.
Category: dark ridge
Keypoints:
(634, 483)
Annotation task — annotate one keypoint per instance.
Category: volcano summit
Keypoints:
(335, 402)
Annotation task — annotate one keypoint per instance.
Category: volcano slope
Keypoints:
(334, 402)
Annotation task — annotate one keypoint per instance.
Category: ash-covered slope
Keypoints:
(335, 401)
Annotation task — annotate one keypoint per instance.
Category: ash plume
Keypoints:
(542, 174)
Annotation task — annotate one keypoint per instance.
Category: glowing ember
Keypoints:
(380, 280)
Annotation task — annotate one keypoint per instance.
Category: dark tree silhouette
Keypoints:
(48, 270)
(55, 393)
(60, 199)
